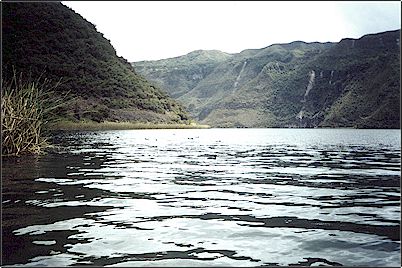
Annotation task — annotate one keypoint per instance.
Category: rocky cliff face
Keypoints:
(353, 83)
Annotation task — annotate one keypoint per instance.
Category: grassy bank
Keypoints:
(89, 125)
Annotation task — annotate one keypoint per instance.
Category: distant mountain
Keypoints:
(181, 74)
(49, 38)
(353, 83)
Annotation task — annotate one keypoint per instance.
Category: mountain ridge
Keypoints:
(267, 87)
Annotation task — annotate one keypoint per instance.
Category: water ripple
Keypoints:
(219, 197)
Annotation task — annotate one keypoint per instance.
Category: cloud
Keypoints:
(371, 17)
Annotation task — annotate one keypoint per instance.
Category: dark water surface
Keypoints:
(213, 197)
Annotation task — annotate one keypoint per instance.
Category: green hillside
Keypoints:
(181, 74)
(51, 40)
(353, 83)
(366, 75)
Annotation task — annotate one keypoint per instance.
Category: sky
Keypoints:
(152, 30)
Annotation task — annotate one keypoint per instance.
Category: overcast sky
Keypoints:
(151, 30)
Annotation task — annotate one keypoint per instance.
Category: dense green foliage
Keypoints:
(355, 83)
(52, 39)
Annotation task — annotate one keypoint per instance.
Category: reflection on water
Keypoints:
(215, 197)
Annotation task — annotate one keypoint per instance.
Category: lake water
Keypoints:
(211, 197)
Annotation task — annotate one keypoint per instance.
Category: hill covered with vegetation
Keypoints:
(50, 40)
(181, 74)
(353, 83)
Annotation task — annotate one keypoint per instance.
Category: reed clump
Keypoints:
(27, 107)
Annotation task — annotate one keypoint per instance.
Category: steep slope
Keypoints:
(181, 74)
(353, 83)
(243, 82)
(366, 73)
(51, 40)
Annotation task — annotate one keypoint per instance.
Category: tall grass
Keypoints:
(27, 107)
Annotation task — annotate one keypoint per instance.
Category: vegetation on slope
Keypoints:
(52, 39)
(353, 83)
(181, 74)
(368, 80)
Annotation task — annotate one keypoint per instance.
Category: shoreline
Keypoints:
(76, 126)
(108, 125)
